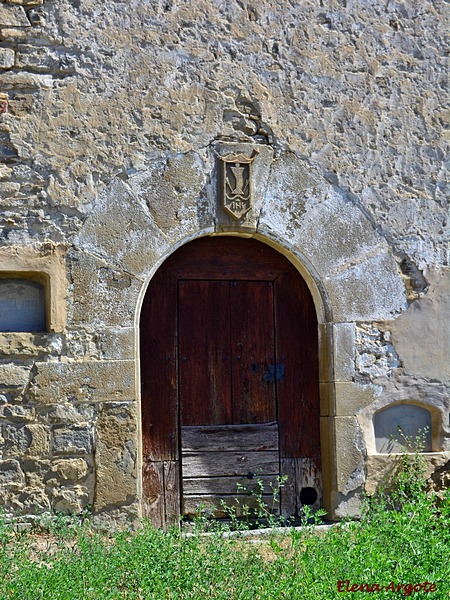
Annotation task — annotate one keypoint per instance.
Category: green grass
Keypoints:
(403, 537)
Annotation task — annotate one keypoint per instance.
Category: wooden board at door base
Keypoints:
(224, 463)
(228, 340)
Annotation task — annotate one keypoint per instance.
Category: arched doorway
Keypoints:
(229, 378)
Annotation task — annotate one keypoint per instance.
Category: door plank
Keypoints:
(213, 504)
(301, 473)
(219, 438)
(252, 351)
(172, 492)
(204, 352)
(227, 485)
(158, 352)
(226, 258)
(161, 492)
(229, 464)
(153, 493)
(288, 493)
(298, 391)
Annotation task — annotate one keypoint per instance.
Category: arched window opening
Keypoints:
(403, 428)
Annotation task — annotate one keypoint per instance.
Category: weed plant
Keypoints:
(403, 537)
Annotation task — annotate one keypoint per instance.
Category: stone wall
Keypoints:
(112, 117)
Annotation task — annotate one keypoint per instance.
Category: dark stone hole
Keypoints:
(308, 496)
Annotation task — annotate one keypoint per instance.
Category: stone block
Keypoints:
(327, 445)
(117, 423)
(346, 506)
(70, 499)
(26, 441)
(13, 376)
(426, 320)
(344, 351)
(92, 381)
(36, 471)
(75, 439)
(70, 469)
(17, 413)
(173, 192)
(67, 413)
(32, 500)
(350, 457)
(369, 291)
(335, 234)
(10, 473)
(43, 59)
(116, 476)
(122, 229)
(13, 16)
(117, 344)
(31, 345)
(291, 182)
(325, 352)
(116, 455)
(102, 295)
(327, 399)
(7, 57)
(351, 398)
(382, 468)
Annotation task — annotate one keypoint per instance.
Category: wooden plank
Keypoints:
(221, 464)
(302, 473)
(309, 475)
(172, 499)
(192, 504)
(297, 349)
(219, 438)
(252, 351)
(158, 355)
(288, 492)
(153, 493)
(204, 352)
(161, 492)
(206, 486)
(226, 258)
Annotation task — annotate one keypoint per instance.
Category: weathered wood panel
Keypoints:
(159, 387)
(230, 464)
(172, 492)
(226, 258)
(226, 485)
(289, 493)
(192, 504)
(302, 473)
(153, 493)
(220, 438)
(252, 351)
(297, 350)
(161, 492)
(204, 352)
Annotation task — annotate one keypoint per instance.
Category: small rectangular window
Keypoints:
(22, 305)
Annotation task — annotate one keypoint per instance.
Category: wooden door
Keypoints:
(227, 395)
(229, 378)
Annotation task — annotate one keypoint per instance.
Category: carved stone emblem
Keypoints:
(237, 183)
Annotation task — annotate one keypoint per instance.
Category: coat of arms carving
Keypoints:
(237, 184)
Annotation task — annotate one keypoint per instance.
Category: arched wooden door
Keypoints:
(229, 374)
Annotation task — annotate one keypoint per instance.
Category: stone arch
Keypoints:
(348, 266)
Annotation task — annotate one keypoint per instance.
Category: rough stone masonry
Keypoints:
(111, 118)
